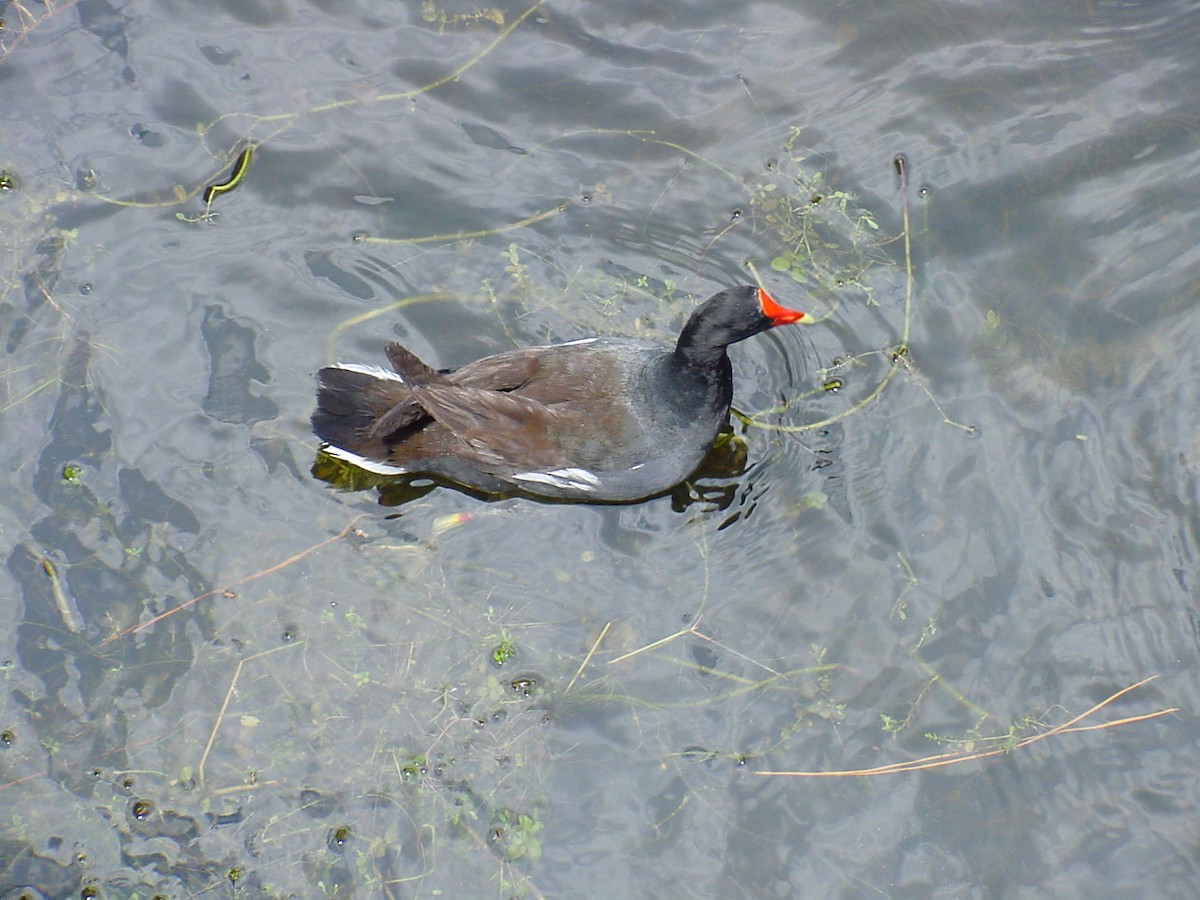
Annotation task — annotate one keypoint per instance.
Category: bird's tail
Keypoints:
(353, 401)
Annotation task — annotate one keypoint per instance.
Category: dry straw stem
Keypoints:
(21, 780)
(950, 759)
(583, 665)
(26, 21)
(212, 735)
(228, 587)
(694, 631)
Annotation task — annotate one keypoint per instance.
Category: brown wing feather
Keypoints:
(407, 412)
(501, 372)
(495, 428)
(409, 366)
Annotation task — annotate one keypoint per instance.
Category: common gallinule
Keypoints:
(599, 419)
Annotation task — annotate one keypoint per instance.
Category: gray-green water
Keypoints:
(329, 718)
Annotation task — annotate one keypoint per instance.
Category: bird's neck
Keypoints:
(694, 351)
(701, 379)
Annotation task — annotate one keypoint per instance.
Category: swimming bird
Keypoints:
(603, 419)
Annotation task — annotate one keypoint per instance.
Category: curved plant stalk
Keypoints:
(371, 314)
(899, 352)
(180, 195)
(466, 235)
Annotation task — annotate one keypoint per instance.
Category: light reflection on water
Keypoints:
(888, 577)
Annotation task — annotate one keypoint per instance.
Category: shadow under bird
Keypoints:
(602, 419)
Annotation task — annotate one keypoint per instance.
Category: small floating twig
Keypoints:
(66, 609)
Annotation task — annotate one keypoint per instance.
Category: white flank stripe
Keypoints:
(575, 474)
(374, 371)
(371, 465)
(578, 479)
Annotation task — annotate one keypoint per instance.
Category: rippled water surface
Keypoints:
(223, 676)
